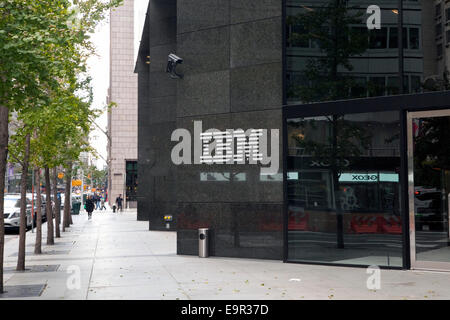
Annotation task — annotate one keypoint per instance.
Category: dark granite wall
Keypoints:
(157, 107)
(232, 51)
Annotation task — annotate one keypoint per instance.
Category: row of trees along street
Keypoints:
(45, 100)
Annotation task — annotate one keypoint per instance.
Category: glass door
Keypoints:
(429, 188)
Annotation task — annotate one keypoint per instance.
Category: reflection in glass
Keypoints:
(431, 138)
(332, 55)
(131, 180)
(343, 189)
(223, 176)
(271, 178)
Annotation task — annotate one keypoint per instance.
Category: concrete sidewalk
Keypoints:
(116, 257)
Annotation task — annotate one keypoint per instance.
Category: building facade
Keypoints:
(122, 118)
(358, 93)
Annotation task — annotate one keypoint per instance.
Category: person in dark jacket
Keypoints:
(97, 201)
(119, 201)
(89, 206)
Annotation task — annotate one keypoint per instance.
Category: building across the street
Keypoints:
(122, 118)
(356, 90)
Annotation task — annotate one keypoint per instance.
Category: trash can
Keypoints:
(203, 243)
(76, 207)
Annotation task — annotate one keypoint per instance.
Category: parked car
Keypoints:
(44, 217)
(12, 211)
(44, 197)
(429, 210)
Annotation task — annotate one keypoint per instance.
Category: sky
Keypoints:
(99, 71)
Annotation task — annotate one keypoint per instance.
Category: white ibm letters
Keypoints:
(227, 147)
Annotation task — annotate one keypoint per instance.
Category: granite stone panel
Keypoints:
(163, 31)
(202, 14)
(204, 93)
(158, 57)
(256, 87)
(236, 230)
(160, 9)
(161, 85)
(250, 10)
(157, 153)
(143, 205)
(157, 211)
(233, 183)
(159, 109)
(256, 43)
(220, 121)
(204, 51)
(156, 182)
(166, 190)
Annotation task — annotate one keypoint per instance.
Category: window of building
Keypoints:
(414, 41)
(438, 29)
(376, 86)
(297, 37)
(131, 180)
(438, 10)
(343, 189)
(378, 39)
(393, 85)
(393, 38)
(359, 88)
(439, 50)
(416, 84)
(361, 53)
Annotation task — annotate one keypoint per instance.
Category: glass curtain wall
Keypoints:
(343, 49)
(343, 189)
(343, 170)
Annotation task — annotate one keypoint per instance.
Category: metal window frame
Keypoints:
(422, 264)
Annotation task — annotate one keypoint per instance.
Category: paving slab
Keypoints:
(34, 268)
(22, 291)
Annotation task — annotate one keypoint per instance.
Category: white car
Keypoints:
(12, 211)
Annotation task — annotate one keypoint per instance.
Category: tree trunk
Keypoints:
(38, 243)
(4, 119)
(57, 207)
(48, 208)
(67, 195)
(23, 206)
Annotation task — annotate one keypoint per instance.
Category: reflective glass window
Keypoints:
(335, 52)
(343, 189)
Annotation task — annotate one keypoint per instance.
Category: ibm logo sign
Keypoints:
(232, 146)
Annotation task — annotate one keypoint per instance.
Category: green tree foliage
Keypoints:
(331, 29)
(44, 47)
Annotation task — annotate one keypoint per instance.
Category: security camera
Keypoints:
(173, 61)
(174, 58)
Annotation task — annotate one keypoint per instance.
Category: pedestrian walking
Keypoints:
(97, 202)
(102, 203)
(119, 201)
(89, 206)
